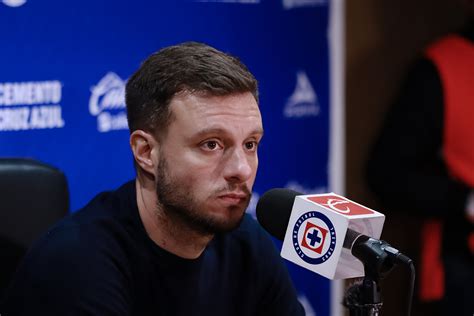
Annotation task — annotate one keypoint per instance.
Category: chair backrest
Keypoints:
(33, 196)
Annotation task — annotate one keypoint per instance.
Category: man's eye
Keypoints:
(210, 145)
(251, 145)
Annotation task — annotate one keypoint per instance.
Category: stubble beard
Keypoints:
(179, 204)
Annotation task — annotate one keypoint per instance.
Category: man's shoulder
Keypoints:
(74, 246)
(84, 259)
(114, 205)
(102, 225)
(71, 267)
(106, 212)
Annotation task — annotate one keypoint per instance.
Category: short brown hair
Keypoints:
(187, 67)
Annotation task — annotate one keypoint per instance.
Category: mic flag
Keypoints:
(316, 231)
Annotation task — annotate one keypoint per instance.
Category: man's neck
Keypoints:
(170, 235)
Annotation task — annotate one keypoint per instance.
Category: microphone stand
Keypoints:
(379, 258)
(364, 299)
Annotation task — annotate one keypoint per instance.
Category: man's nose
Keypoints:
(239, 166)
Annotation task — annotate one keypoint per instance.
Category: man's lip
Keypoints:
(234, 195)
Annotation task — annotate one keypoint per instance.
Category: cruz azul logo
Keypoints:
(340, 205)
(107, 103)
(314, 237)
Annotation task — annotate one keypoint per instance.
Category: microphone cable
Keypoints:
(412, 287)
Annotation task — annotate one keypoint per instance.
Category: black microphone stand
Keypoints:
(364, 299)
(379, 258)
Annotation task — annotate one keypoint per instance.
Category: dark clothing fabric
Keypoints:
(453, 56)
(407, 172)
(406, 169)
(100, 261)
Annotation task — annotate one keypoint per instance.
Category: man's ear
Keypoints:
(145, 150)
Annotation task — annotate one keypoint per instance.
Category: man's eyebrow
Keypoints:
(257, 131)
(219, 130)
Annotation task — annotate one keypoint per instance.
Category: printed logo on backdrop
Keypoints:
(291, 4)
(14, 3)
(314, 237)
(107, 103)
(304, 101)
(341, 205)
(30, 105)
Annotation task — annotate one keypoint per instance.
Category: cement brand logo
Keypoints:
(291, 4)
(30, 105)
(314, 237)
(107, 103)
(341, 205)
(304, 101)
(14, 3)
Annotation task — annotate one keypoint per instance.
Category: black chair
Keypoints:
(33, 196)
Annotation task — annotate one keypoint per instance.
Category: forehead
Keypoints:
(238, 112)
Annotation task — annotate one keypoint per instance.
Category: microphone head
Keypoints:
(274, 210)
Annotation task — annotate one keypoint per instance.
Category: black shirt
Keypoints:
(100, 261)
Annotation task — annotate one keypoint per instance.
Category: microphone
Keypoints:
(316, 234)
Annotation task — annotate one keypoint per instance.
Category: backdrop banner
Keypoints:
(64, 64)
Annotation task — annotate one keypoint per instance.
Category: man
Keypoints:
(176, 240)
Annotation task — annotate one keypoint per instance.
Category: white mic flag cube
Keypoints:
(316, 230)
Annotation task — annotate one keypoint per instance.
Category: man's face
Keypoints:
(208, 160)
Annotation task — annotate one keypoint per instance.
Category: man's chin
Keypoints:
(227, 226)
(222, 223)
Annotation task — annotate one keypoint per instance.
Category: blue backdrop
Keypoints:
(63, 65)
